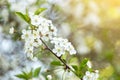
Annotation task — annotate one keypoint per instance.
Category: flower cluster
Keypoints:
(42, 28)
(45, 27)
(91, 75)
(61, 46)
(32, 40)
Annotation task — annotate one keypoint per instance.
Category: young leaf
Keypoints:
(22, 76)
(56, 63)
(83, 63)
(24, 16)
(24, 73)
(30, 74)
(73, 61)
(38, 11)
(75, 67)
(36, 72)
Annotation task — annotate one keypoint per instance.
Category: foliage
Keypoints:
(29, 75)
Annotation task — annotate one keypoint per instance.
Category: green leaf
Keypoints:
(24, 17)
(37, 71)
(90, 69)
(24, 73)
(56, 63)
(83, 63)
(30, 74)
(22, 76)
(75, 67)
(27, 75)
(38, 11)
(73, 61)
(107, 72)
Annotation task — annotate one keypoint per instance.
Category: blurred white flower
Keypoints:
(89, 64)
(83, 49)
(15, 5)
(91, 75)
(5, 14)
(64, 30)
(79, 10)
(11, 31)
(93, 6)
(49, 77)
(98, 46)
(1, 29)
(91, 19)
(7, 46)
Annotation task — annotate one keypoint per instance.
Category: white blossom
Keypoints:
(11, 31)
(26, 34)
(61, 46)
(91, 75)
(36, 34)
(49, 77)
(31, 38)
(92, 18)
(89, 64)
(44, 29)
(58, 50)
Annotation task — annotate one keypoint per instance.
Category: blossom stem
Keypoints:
(66, 66)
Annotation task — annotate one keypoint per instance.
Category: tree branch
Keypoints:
(67, 67)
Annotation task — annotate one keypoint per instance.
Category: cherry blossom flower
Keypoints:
(61, 46)
(49, 77)
(91, 75)
(89, 64)
(42, 28)
(11, 31)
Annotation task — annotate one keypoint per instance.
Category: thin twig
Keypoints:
(67, 67)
